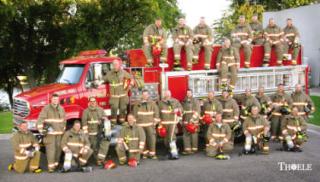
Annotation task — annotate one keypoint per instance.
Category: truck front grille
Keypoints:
(20, 108)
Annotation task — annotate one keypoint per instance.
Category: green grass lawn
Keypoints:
(315, 119)
(5, 122)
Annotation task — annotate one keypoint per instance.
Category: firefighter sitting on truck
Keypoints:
(120, 82)
(228, 63)
(26, 151)
(182, 36)
(303, 102)
(256, 130)
(202, 38)
(131, 141)
(291, 41)
(76, 147)
(154, 39)
(170, 110)
(52, 124)
(293, 129)
(220, 140)
(257, 31)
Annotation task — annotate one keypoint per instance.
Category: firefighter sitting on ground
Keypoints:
(154, 39)
(26, 151)
(182, 36)
(202, 38)
(131, 140)
(256, 130)
(291, 41)
(228, 63)
(76, 146)
(220, 140)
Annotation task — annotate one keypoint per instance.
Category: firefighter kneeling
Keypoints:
(219, 137)
(256, 130)
(131, 141)
(76, 146)
(294, 131)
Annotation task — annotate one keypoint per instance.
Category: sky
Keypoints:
(210, 9)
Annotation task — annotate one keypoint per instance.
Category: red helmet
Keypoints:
(191, 127)
(162, 131)
(109, 165)
(132, 162)
(207, 119)
(156, 50)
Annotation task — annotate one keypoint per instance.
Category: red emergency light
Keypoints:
(100, 52)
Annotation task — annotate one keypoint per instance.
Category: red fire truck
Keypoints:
(80, 74)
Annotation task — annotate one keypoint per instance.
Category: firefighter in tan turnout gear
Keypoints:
(293, 129)
(211, 105)
(182, 36)
(26, 151)
(292, 41)
(154, 39)
(228, 63)
(52, 124)
(220, 140)
(91, 120)
(146, 113)
(242, 37)
(190, 118)
(76, 144)
(256, 130)
(202, 38)
(303, 102)
(257, 31)
(247, 101)
(265, 102)
(131, 140)
(120, 82)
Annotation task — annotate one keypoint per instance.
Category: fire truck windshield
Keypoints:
(70, 74)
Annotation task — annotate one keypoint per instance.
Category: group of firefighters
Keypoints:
(221, 119)
(244, 35)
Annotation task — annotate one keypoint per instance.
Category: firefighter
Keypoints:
(182, 36)
(211, 105)
(146, 113)
(303, 102)
(220, 140)
(52, 124)
(170, 110)
(202, 38)
(120, 82)
(265, 102)
(228, 62)
(242, 38)
(294, 131)
(131, 140)
(26, 151)
(292, 41)
(154, 38)
(91, 121)
(281, 104)
(247, 101)
(273, 38)
(75, 142)
(230, 111)
(190, 118)
(257, 30)
(256, 130)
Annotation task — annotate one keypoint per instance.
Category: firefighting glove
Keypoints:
(302, 135)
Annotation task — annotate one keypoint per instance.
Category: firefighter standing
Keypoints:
(120, 82)
(52, 124)
(281, 103)
(154, 37)
(292, 41)
(76, 143)
(202, 38)
(190, 118)
(228, 62)
(182, 36)
(265, 102)
(219, 137)
(26, 151)
(91, 121)
(257, 31)
(242, 37)
(211, 105)
(147, 115)
(273, 38)
(247, 100)
(294, 131)
(131, 140)
(256, 130)
(303, 102)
